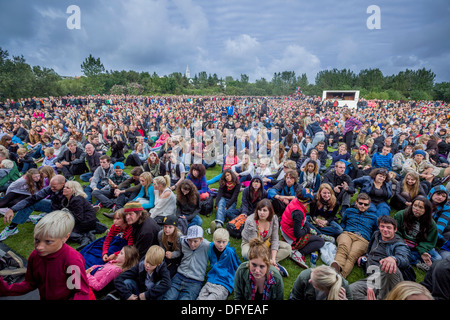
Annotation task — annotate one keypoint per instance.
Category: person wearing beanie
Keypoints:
(427, 171)
(145, 229)
(361, 162)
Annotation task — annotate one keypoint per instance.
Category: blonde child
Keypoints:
(24, 161)
(49, 158)
(224, 262)
(148, 280)
(52, 256)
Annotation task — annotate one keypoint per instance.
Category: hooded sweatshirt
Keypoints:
(441, 215)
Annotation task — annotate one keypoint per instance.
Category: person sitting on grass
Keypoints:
(320, 283)
(418, 229)
(52, 256)
(226, 200)
(387, 254)
(188, 281)
(264, 224)
(100, 276)
(296, 232)
(224, 262)
(71, 161)
(284, 191)
(358, 223)
(257, 279)
(45, 200)
(148, 280)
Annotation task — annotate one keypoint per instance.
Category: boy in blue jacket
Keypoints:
(224, 262)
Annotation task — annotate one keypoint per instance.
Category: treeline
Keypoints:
(20, 80)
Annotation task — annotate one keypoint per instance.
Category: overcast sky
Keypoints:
(231, 37)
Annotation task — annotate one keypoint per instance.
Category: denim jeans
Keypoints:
(88, 190)
(25, 167)
(196, 221)
(333, 229)
(86, 176)
(414, 256)
(222, 215)
(45, 205)
(383, 209)
(183, 288)
(105, 196)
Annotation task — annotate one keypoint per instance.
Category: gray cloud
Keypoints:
(230, 37)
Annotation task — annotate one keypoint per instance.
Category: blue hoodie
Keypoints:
(442, 213)
(222, 271)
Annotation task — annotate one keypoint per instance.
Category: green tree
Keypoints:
(370, 79)
(92, 66)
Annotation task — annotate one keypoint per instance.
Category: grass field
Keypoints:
(22, 242)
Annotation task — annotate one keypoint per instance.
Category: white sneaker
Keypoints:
(8, 232)
(299, 259)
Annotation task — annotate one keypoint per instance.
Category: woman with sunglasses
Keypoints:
(379, 187)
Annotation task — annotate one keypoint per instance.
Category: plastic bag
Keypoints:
(327, 252)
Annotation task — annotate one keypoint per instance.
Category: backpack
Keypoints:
(12, 267)
(236, 226)
(207, 206)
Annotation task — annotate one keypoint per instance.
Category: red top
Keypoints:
(126, 234)
(58, 276)
(287, 223)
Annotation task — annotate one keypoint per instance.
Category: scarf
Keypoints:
(308, 179)
(230, 185)
(154, 169)
(267, 284)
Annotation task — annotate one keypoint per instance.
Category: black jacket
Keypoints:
(334, 180)
(188, 210)
(248, 207)
(55, 197)
(160, 279)
(145, 235)
(83, 212)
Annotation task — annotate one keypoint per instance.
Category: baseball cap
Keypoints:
(194, 232)
(119, 165)
(170, 220)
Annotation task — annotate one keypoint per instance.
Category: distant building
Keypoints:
(188, 73)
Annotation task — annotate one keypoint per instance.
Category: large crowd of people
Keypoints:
(293, 175)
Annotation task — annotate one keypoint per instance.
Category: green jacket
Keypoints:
(243, 289)
(13, 175)
(423, 246)
(304, 290)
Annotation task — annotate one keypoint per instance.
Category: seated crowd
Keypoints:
(372, 184)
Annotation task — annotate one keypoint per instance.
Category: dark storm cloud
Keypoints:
(230, 37)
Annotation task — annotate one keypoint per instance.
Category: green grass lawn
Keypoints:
(22, 242)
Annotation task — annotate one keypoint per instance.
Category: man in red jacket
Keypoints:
(55, 268)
